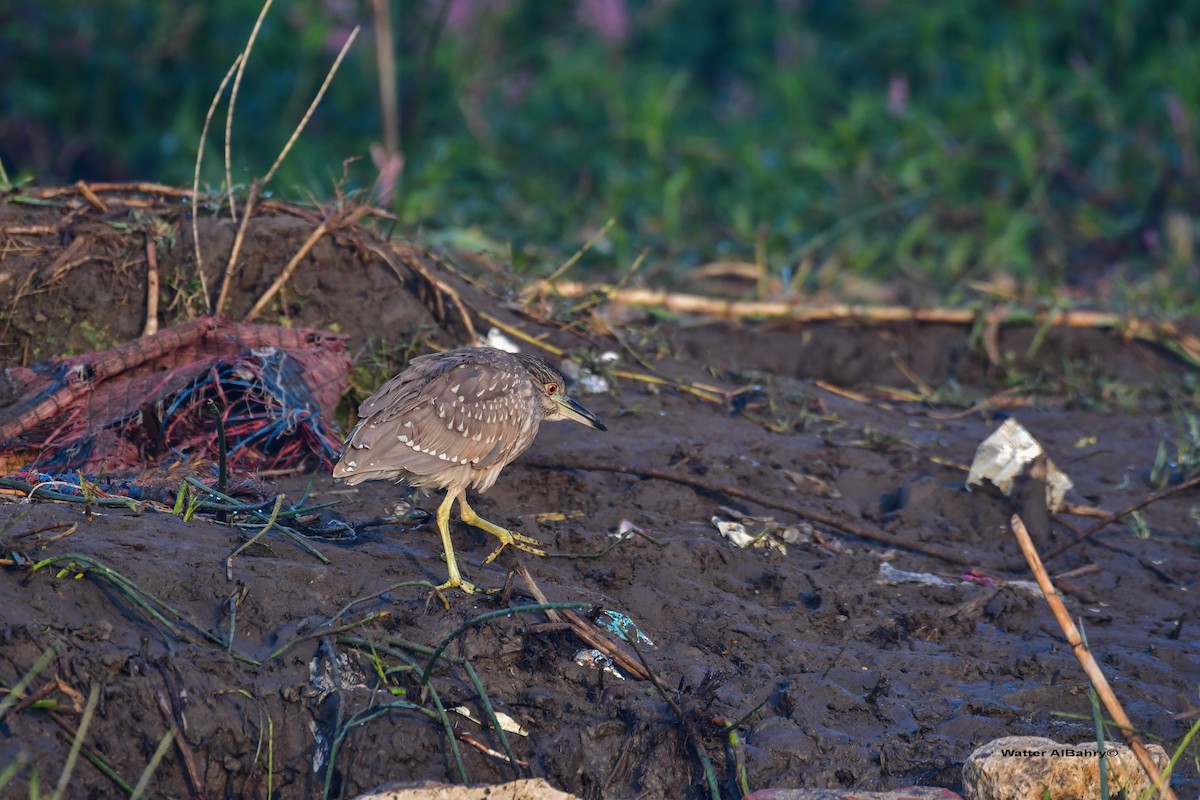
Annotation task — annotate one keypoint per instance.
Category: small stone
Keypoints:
(536, 789)
(1020, 767)
(907, 793)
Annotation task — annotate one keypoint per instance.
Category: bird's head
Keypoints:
(551, 391)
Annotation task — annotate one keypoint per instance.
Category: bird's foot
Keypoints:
(455, 583)
(523, 543)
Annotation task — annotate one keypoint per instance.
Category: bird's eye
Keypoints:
(552, 388)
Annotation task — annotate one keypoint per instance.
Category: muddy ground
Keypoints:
(836, 674)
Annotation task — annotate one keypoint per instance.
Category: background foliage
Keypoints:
(1030, 145)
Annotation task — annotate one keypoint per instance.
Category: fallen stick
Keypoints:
(1090, 667)
(291, 266)
(1160, 333)
(1108, 519)
(151, 325)
(585, 630)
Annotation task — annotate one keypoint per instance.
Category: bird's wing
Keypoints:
(463, 413)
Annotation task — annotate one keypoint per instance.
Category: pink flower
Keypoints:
(608, 19)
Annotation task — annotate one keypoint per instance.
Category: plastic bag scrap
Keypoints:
(506, 722)
(1006, 454)
(155, 400)
(767, 533)
(594, 659)
(621, 625)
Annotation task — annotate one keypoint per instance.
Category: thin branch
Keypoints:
(1087, 661)
(237, 82)
(1115, 516)
(291, 266)
(212, 109)
(337, 62)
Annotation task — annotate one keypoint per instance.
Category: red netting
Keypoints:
(158, 398)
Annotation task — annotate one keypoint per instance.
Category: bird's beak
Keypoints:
(574, 411)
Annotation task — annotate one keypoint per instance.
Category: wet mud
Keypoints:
(832, 665)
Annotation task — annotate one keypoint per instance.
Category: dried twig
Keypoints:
(1166, 334)
(591, 635)
(1084, 655)
(151, 325)
(212, 108)
(1115, 516)
(50, 193)
(291, 266)
(91, 197)
(233, 93)
(239, 238)
(440, 288)
(316, 101)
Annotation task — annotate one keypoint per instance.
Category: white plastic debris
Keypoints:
(625, 530)
(495, 338)
(889, 574)
(771, 535)
(507, 723)
(591, 383)
(594, 659)
(1006, 454)
(325, 679)
(586, 381)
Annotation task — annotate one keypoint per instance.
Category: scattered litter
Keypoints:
(1028, 587)
(889, 574)
(975, 576)
(625, 529)
(589, 381)
(507, 723)
(499, 341)
(622, 626)
(321, 746)
(597, 660)
(771, 535)
(1007, 453)
(325, 679)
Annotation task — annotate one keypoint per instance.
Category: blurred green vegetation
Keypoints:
(1029, 145)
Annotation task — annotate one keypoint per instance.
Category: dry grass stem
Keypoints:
(1165, 334)
(291, 266)
(212, 109)
(337, 62)
(1108, 519)
(151, 325)
(233, 93)
(91, 197)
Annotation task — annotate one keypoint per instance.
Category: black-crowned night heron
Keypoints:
(454, 420)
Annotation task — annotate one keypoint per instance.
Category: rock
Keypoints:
(536, 789)
(1020, 767)
(907, 793)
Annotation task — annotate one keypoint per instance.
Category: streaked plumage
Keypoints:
(454, 420)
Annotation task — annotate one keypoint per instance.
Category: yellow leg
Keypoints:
(505, 536)
(443, 524)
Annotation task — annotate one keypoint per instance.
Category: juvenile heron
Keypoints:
(454, 420)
